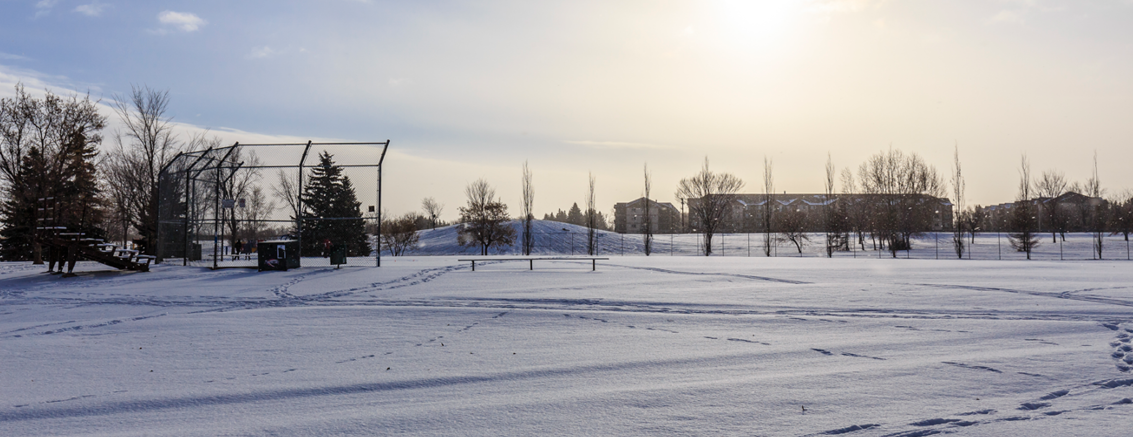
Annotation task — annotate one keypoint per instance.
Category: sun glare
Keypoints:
(759, 23)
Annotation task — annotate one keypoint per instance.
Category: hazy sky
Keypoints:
(472, 89)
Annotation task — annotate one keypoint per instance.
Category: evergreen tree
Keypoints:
(47, 149)
(332, 212)
(575, 216)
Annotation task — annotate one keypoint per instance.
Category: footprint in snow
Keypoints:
(1122, 349)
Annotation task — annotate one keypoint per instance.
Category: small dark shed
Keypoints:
(278, 254)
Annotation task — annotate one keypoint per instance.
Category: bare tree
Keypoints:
(432, 210)
(255, 212)
(958, 210)
(287, 188)
(904, 190)
(648, 219)
(400, 235)
(768, 210)
(832, 221)
(152, 146)
(1023, 221)
(1099, 209)
(239, 186)
(792, 224)
(1052, 185)
(710, 197)
(528, 210)
(1122, 218)
(974, 219)
(120, 172)
(853, 208)
(484, 221)
(591, 220)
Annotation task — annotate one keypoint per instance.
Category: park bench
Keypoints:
(531, 260)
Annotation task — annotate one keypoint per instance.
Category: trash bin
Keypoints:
(278, 254)
(338, 255)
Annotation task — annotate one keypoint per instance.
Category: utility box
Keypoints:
(194, 251)
(278, 254)
(338, 255)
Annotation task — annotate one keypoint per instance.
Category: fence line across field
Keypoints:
(931, 245)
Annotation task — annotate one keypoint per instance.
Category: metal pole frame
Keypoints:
(158, 248)
(378, 257)
(299, 200)
(218, 165)
(189, 186)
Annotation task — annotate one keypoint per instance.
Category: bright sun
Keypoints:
(759, 22)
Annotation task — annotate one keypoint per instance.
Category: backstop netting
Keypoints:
(216, 205)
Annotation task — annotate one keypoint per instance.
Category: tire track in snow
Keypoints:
(1057, 295)
(732, 275)
(92, 326)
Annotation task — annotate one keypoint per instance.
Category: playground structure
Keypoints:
(66, 248)
(216, 204)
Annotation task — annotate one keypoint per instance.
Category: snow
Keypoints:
(642, 346)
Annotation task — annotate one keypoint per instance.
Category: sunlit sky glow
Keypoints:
(472, 89)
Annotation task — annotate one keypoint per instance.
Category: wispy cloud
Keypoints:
(43, 7)
(1007, 16)
(183, 21)
(93, 9)
(618, 145)
(11, 57)
(262, 52)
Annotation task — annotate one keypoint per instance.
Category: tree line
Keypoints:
(56, 170)
(52, 147)
(892, 198)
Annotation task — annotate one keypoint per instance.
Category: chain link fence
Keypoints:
(216, 206)
(573, 240)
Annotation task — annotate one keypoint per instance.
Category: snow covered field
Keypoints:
(643, 346)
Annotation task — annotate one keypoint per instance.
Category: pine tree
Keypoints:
(47, 149)
(332, 212)
(575, 216)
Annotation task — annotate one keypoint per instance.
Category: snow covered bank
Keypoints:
(643, 346)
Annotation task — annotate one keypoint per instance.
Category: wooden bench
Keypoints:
(531, 260)
(145, 259)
